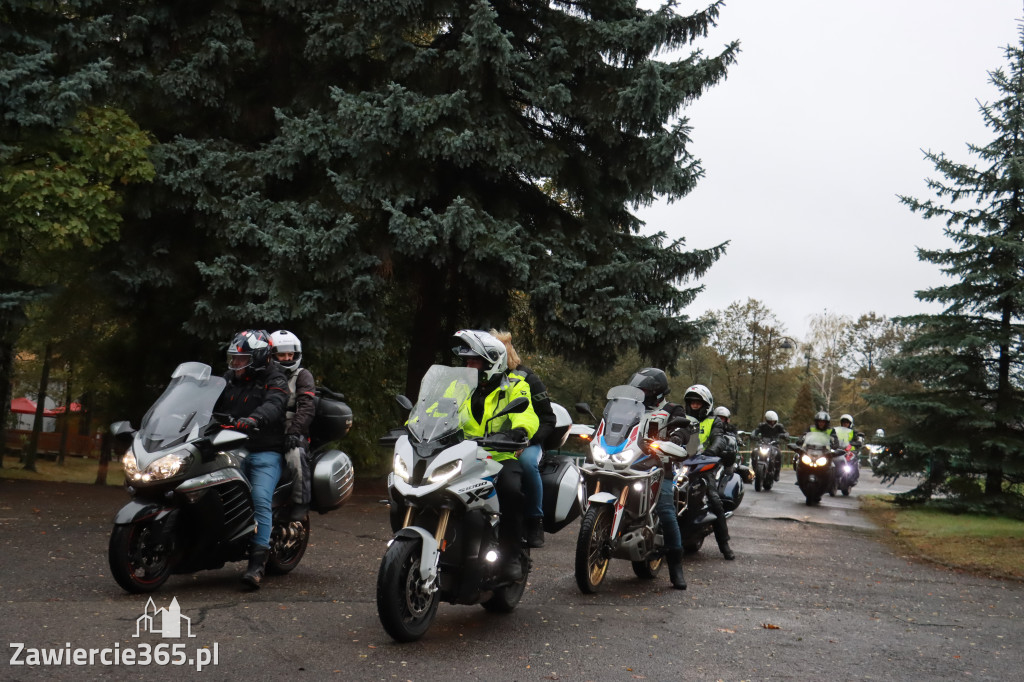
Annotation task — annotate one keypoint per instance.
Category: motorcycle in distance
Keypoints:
(191, 505)
(622, 483)
(444, 510)
(815, 470)
(847, 465)
(765, 462)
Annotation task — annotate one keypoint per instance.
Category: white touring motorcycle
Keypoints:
(445, 513)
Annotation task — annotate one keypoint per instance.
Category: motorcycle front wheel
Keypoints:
(287, 551)
(405, 609)
(758, 482)
(591, 557)
(138, 562)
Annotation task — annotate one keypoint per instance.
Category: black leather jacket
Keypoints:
(262, 395)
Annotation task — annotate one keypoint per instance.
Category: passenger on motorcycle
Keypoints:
(255, 397)
(699, 402)
(533, 490)
(654, 383)
(731, 434)
(298, 416)
(771, 428)
(495, 389)
(846, 434)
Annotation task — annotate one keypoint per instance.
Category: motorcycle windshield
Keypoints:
(816, 440)
(186, 405)
(624, 410)
(444, 393)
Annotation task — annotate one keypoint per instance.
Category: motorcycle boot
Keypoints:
(253, 575)
(721, 525)
(535, 532)
(674, 557)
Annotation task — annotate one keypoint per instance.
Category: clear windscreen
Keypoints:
(816, 440)
(185, 404)
(444, 392)
(624, 410)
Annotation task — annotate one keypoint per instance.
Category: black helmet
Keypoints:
(249, 350)
(653, 382)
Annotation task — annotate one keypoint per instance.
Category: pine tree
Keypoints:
(366, 171)
(966, 419)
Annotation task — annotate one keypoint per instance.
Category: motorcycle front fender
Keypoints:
(428, 550)
(603, 498)
(137, 510)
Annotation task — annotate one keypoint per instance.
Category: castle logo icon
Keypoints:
(164, 622)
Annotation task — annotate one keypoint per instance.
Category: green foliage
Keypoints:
(966, 418)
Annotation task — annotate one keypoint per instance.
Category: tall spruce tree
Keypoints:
(966, 419)
(365, 171)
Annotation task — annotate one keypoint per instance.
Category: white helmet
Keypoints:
(879, 433)
(722, 411)
(476, 343)
(771, 417)
(702, 393)
(847, 418)
(286, 342)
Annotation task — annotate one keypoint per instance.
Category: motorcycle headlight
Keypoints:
(401, 470)
(624, 457)
(763, 450)
(806, 459)
(599, 454)
(131, 465)
(821, 461)
(446, 473)
(165, 467)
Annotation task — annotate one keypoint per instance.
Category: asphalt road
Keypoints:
(812, 595)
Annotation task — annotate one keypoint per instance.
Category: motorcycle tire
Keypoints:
(758, 483)
(136, 566)
(648, 570)
(811, 501)
(591, 557)
(694, 546)
(404, 610)
(768, 482)
(845, 490)
(282, 558)
(506, 598)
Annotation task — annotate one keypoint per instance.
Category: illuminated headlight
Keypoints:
(806, 459)
(763, 451)
(165, 467)
(624, 457)
(638, 486)
(849, 468)
(131, 465)
(599, 454)
(445, 473)
(401, 470)
(821, 461)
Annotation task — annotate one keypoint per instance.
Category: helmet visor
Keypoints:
(239, 360)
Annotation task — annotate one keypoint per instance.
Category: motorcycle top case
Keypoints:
(331, 422)
(333, 481)
(560, 479)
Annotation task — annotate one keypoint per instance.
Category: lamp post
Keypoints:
(787, 344)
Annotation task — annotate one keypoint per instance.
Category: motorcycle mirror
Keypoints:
(584, 408)
(404, 402)
(226, 437)
(118, 429)
(515, 407)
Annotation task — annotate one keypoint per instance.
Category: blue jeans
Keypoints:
(263, 469)
(666, 510)
(533, 490)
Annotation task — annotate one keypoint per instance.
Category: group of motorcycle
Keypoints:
(191, 507)
(821, 469)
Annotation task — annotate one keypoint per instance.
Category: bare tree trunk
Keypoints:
(66, 424)
(105, 449)
(37, 425)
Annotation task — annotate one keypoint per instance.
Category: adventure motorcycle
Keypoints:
(765, 462)
(847, 465)
(191, 506)
(815, 470)
(445, 510)
(622, 483)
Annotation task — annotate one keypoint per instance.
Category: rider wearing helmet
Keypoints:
(823, 424)
(496, 389)
(846, 434)
(674, 426)
(299, 415)
(255, 397)
(772, 429)
(698, 403)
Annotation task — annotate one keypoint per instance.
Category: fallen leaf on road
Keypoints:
(769, 626)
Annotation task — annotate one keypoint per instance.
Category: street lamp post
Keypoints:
(787, 344)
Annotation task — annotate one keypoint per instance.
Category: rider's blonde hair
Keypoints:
(506, 338)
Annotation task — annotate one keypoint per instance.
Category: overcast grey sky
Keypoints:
(819, 125)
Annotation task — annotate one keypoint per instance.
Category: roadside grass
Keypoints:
(984, 545)
(75, 470)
